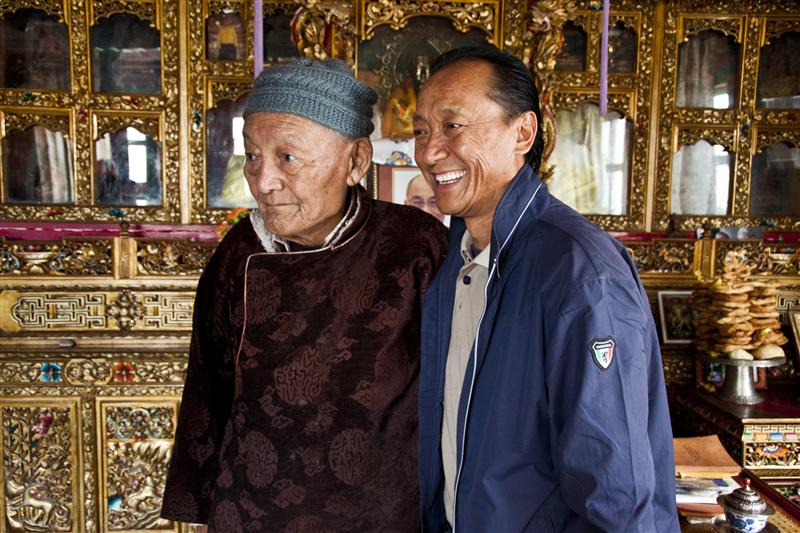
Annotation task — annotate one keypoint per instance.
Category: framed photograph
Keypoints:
(675, 317)
(405, 185)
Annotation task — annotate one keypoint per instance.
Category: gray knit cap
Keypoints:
(323, 91)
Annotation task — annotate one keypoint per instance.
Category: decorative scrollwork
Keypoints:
(81, 371)
(766, 258)
(37, 469)
(68, 257)
(628, 21)
(572, 100)
(172, 257)
(672, 256)
(231, 90)
(51, 7)
(126, 310)
(464, 15)
(216, 7)
(727, 26)
(146, 123)
(767, 138)
(514, 26)
(52, 121)
(774, 28)
(690, 136)
(144, 10)
(139, 423)
(777, 454)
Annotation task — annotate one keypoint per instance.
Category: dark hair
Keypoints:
(512, 87)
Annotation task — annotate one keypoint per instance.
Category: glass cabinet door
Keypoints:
(127, 169)
(779, 73)
(38, 167)
(126, 56)
(35, 51)
(701, 180)
(592, 160)
(775, 182)
(226, 186)
(708, 71)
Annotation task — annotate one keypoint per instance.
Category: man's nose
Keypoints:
(268, 179)
(432, 150)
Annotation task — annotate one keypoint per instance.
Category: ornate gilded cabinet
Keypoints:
(121, 151)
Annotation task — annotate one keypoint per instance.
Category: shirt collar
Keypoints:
(467, 245)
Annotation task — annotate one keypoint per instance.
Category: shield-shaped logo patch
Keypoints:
(603, 352)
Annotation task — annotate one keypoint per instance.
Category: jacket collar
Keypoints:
(520, 206)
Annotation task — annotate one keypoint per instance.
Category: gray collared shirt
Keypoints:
(467, 310)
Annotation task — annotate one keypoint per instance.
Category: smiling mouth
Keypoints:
(453, 176)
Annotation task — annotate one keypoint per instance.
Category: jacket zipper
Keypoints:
(475, 354)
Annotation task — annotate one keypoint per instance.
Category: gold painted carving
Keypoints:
(22, 120)
(99, 370)
(571, 101)
(767, 138)
(68, 257)
(514, 26)
(771, 455)
(137, 448)
(51, 7)
(727, 26)
(780, 260)
(126, 310)
(168, 311)
(143, 9)
(663, 256)
(216, 7)
(172, 257)
(542, 43)
(689, 136)
(463, 15)
(145, 123)
(319, 20)
(231, 90)
(37, 468)
(628, 21)
(777, 27)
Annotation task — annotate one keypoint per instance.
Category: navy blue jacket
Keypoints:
(563, 421)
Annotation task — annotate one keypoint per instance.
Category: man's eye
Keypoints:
(249, 157)
(418, 132)
(452, 126)
(288, 158)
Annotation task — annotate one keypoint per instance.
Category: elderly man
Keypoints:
(542, 400)
(299, 411)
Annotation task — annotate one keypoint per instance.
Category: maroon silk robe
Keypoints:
(299, 411)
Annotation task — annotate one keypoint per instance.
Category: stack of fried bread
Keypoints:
(730, 309)
(765, 319)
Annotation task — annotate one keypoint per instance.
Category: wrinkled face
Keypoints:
(465, 147)
(298, 171)
(421, 196)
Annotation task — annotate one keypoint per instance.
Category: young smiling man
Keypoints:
(299, 411)
(542, 399)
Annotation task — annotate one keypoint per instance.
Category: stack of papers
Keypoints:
(702, 490)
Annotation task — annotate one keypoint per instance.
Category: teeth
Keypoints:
(450, 177)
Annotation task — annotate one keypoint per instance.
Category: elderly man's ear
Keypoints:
(360, 159)
(526, 126)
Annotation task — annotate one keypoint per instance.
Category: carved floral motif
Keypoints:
(172, 257)
(68, 257)
(127, 310)
(51, 7)
(464, 15)
(663, 256)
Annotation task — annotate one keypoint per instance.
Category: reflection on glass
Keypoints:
(775, 185)
(701, 180)
(278, 45)
(779, 73)
(35, 51)
(592, 161)
(573, 52)
(226, 186)
(37, 164)
(126, 56)
(708, 66)
(225, 37)
(127, 169)
(622, 45)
